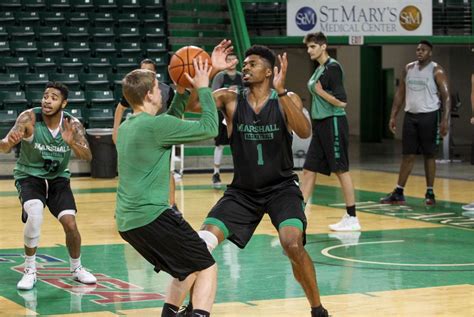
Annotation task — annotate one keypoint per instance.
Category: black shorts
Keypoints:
(328, 150)
(170, 244)
(222, 138)
(241, 212)
(55, 193)
(421, 133)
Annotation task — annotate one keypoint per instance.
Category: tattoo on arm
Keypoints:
(23, 120)
(80, 135)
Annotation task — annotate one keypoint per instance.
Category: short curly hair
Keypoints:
(262, 51)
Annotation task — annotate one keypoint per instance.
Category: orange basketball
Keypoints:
(182, 62)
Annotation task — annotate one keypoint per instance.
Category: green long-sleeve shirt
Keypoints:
(144, 148)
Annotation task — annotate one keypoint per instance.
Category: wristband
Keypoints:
(284, 93)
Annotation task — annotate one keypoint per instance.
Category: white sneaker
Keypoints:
(347, 223)
(28, 280)
(469, 207)
(80, 274)
(346, 238)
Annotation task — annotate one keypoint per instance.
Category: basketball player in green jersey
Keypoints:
(144, 218)
(260, 122)
(328, 151)
(48, 135)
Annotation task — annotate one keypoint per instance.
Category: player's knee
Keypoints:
(210, 239)
(292, 248)
(68, 220)
(34, 209)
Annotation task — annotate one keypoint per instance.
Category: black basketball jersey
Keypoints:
(261, 146)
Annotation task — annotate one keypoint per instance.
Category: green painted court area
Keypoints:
(373, 261)
(346, 263)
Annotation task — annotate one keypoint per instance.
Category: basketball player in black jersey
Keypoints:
(260, 122)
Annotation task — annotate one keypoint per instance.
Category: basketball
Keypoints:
(182, 62)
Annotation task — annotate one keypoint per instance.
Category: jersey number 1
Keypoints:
(260, 154)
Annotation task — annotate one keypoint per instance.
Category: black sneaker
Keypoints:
(185, 311)
(321, 312)
(216, 181)
(393, 198)
(430, 198)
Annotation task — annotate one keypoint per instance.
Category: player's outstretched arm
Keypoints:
(73, 134)
(23, 128)
(290, 102)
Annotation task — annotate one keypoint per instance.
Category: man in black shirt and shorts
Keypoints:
(260, 122)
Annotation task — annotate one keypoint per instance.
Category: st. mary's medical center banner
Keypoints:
(361, 17)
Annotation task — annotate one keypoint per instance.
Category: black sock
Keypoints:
(351, 210)
(319, 311)
(189, 307)
(200, 313)
(169, 310)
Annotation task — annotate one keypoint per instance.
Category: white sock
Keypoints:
(401, 187)
(216, 170)
(74, 263)
(30, 261)
(218, 151)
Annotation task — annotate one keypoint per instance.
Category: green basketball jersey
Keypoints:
(43, 156)
(320, 108)
(144, 150)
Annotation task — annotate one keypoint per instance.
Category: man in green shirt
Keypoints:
(47, 135)
(143, 215)
(329, 148)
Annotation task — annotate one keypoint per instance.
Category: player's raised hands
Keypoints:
(279, 75)
(67, 131)
(202, 71)
(219, 55)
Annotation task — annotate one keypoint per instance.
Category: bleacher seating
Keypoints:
(87, 44)
(7, 121)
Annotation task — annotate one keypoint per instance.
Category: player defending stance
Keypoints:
(144, 218)
(260, 121)
(47, 135)
(423, 83)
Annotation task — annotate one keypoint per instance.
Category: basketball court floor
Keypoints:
(407, 261)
